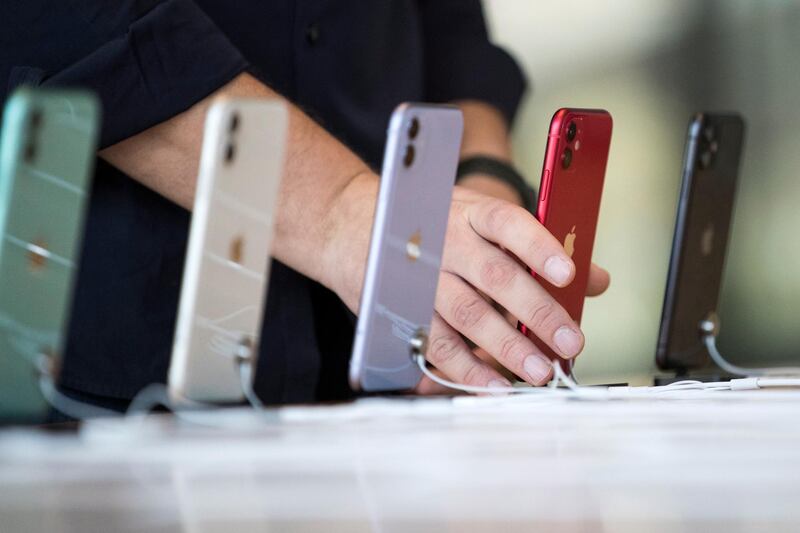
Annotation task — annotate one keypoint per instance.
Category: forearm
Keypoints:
(485, 131)
(486, 134)
(317, 169)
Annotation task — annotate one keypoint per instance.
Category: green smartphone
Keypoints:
(47, 153)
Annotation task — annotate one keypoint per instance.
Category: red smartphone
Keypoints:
(569, 199)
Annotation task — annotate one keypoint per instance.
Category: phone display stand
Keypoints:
(709, 332)
(708, 329)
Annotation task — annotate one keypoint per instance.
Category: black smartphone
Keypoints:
(705, 208)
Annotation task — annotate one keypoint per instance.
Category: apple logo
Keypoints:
(569, 242)
(707, 240)
(38, 255)
(236, 251)
(413, 249)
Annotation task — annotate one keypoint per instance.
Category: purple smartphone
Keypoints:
(419, 169)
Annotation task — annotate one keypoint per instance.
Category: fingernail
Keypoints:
(568, 341)
(537, 368)
(498, 384)
(558, 270)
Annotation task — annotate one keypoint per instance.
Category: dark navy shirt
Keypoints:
(346, 63)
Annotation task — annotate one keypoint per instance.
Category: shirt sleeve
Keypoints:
(462, 63)
(164, 61)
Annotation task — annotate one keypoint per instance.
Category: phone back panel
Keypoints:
(227, 261)
(705, 207)
(46, 162)
(406, 248)
(569, 199)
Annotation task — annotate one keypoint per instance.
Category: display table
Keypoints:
(473, 464)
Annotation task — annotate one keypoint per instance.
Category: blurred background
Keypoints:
(652, 64)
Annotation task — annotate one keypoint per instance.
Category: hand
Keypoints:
(599, 281)
(472, 262)
(491, 186)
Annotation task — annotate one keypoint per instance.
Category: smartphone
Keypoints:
(419, 170)
(569, 200)
(227, 261)
(705, 207)
(47, 154)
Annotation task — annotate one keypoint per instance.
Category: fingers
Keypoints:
(448, 352)
(475, 267)
(487, 358)
(428, 387)
(599, 280)
(515, 229)
(506, 282)
(464, 309)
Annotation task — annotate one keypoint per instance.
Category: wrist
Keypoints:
(348, 227)
(489, 169)
(491, 186)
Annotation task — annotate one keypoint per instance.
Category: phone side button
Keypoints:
(545, 185)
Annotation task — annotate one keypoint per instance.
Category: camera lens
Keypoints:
(413, 128)
(566, 158)
(408, 158)
(30, 152)
(708, 150)
(36, 119)
(706, 158)
(230, 153)
(572, 129)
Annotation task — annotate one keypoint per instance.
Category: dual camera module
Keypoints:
(566, 155)
(413, 131)
(33, 134)
(230, 149)
(708, 147)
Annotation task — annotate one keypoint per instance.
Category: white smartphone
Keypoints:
(419, 170)
(227, 261)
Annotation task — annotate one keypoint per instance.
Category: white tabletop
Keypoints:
(480, 464)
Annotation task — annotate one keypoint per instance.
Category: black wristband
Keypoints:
(500, 170)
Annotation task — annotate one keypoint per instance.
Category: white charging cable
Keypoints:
(754, 378)
(142, 404)
(242, 351)
(246, 379)
(150, 397)
(550, 391)
(709, 329)
(679, 390)
(68, 406)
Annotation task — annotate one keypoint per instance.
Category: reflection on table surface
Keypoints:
(472, 464)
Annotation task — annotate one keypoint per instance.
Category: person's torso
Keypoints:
(347, 64)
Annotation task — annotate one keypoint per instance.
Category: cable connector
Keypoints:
(744, 384)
